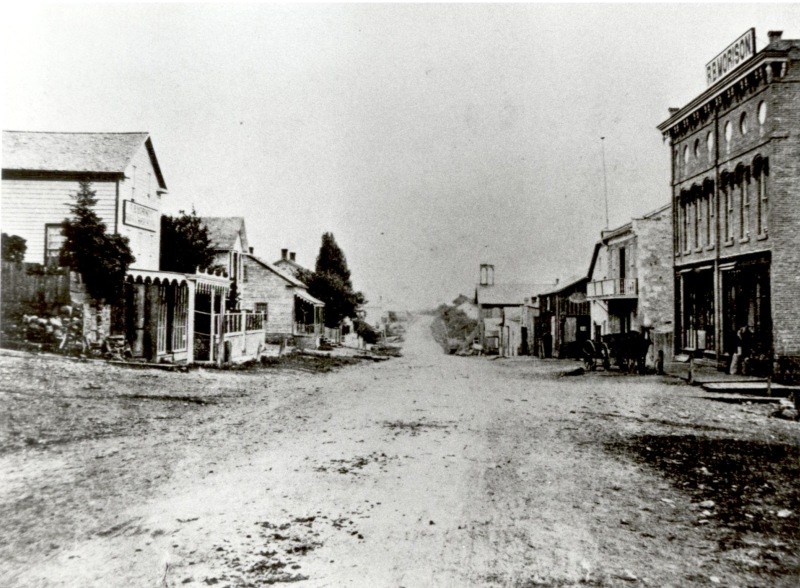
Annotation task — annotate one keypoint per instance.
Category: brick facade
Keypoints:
(736, 220)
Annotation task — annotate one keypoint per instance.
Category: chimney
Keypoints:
(673, 110)
(487, 274)
(774, 36)
(251, 251)
(292, 256)
(284, 253)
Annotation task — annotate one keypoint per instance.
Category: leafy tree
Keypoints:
(101, 259)
(14, 248)
(330, 283)
(185, 243)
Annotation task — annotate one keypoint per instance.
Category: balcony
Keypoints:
(615, 288)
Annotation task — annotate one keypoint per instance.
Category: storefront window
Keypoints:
(698, 310)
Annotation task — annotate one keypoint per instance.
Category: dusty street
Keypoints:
(427, 470)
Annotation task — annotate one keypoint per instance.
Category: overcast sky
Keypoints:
(427, 138)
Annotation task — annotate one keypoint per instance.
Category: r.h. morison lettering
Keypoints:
(736, 53)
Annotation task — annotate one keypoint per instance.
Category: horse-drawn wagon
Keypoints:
(624, 350)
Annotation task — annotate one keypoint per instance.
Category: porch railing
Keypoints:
(241, 322)
(614, 288)
(304, 329)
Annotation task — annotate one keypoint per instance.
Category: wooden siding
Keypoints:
(21, 290)
(141, 186)
(28, 205)
(264, 285)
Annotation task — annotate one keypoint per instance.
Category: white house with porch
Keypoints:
(165, 316)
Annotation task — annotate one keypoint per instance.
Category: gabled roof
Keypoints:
(290, 263)
(290, 279)
(564, 285)
(75, 153)
(507, 294)
(222, 230)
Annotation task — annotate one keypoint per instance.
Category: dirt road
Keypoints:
(427, 470)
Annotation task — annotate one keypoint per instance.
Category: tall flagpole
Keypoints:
(605, 183)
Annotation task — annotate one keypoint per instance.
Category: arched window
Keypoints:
(710, 202)
(743, 185)
(762, 112)
(726, 187)
(710, 145)
(760, 173)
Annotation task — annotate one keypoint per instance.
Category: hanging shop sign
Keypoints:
(141, 217)
(734, 55)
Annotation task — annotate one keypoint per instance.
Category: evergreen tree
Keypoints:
(331, 284)
(101, 259)
(185, 244)
(331, 259)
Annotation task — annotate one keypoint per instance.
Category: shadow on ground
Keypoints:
(747, 490)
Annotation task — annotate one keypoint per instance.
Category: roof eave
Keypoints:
(156, 166)
(721, 86)
(12, 173)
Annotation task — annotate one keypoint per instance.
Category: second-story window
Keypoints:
(235, 265)
(761, 174)
(686, 211)
(727, 212)
(743, 185)
(710, 226)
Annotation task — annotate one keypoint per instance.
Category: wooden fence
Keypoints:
(23, 289)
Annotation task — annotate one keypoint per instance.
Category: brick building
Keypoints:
(735, 152)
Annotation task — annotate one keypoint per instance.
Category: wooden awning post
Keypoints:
(212, 329)
(222, 321)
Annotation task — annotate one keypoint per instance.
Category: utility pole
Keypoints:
(605, 183)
